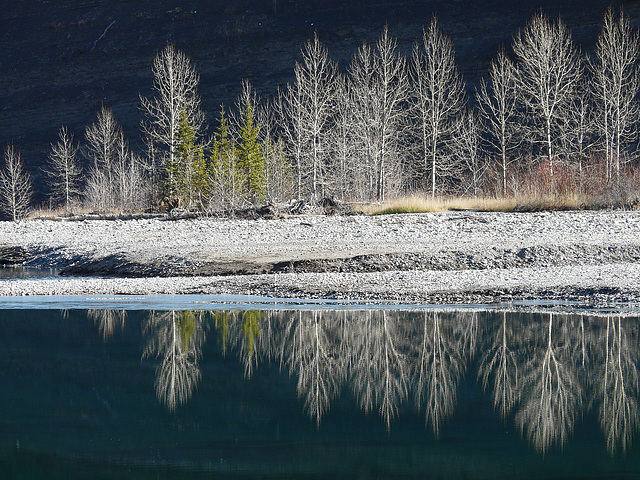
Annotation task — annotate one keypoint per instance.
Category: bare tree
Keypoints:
(308, 111)
(131, 186)
(63, 169)
(15, 185)
(497, 101)
(175, 85)
(290, 110)
(344, 176)
(102, 138)
(467, 150)
(580, 128)
(617, 83)
(364, 110)
(379, 84)
(549, 69)
(438, 90)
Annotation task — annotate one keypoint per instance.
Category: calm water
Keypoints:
(317, 394)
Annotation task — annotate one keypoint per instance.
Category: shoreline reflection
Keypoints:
(541, 375)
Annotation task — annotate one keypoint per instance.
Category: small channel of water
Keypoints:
(7, 273)
(317, 393)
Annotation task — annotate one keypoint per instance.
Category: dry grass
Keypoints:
(422, 204)
(44, 212)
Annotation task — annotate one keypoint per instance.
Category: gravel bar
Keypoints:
(459, 257)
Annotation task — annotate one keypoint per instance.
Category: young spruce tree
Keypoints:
(187, 178)
(251, 161)
(226, 177)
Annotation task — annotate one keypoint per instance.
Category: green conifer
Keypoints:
(251, 160)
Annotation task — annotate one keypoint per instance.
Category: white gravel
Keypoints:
(198, 241)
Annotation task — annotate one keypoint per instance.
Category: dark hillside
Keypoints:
(57, 67)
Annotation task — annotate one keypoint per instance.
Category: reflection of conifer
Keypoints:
(250, 337)
(222, 321)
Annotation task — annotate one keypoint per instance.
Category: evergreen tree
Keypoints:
(187, 171)
(226, 177)
(251, 161)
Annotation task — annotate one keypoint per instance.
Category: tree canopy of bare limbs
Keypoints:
(101, 139)
(467, 151)
(379, 92)
(116, 178)
(175, 85)
(15, 185)
(64, 169)
(439, 97)
(616, 75)
(549, 68)
(497, 101)
(306, 108)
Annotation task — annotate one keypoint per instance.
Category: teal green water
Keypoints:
(317, 394)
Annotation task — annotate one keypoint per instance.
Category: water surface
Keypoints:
(341, 393)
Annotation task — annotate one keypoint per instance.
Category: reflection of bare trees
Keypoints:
(552, 397)
(499, 368)
(438, 368)
(311, 352)
(618, 386)
(176, 338)
(380, 371)
(107, 320)
(539, 367)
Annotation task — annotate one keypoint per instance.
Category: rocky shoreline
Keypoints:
(590, 258)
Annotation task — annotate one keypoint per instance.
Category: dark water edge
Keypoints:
(19, 272)
(79, 402)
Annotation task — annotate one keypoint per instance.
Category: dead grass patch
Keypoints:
(421, 204)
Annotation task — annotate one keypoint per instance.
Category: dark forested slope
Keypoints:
(60, 60)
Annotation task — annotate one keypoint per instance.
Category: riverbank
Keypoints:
(456, 257)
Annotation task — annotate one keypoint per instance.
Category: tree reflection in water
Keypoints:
(542, 368)
(552, 394)
(618, 385)
(380, 370)
(176, 338)
(498, 369)
(438, 367)
(310, 352)
(107, 321)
